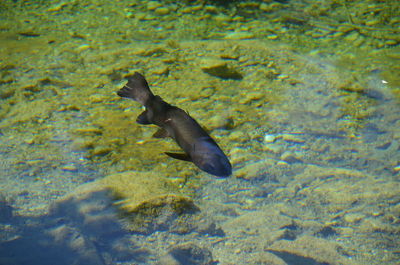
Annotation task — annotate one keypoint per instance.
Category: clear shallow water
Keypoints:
(314, 140)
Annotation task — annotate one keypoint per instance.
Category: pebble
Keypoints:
(345, 29)
(239, 35)
(97, 98)
(352, 36)
(83, 47)
(81, 143)
(372, 22)
(151, 51)
(162, 11)
(252, 170)
(207, 92)
(292, 138)
(189, 253)
(358, 42)
(144, 16)
(153, 5)
(391, 42)
(237, 136)
(272, 37)
(101, 150)
(237, 251)
(129, 14)
(282, 76)
(34, 162)
(186, 10)
(337, 34)
(140, 15)
(161, 70)
(89, 131)
(57, 7)
(6, 92)
(30, 140)
(251, 96)
(220, 122)
(273, 148)
(211, 9)
(221, 18)
(269, 138)
(69, 167)
(197, 8)
(266, 8)
(219, 68)
(369, 225)
(353, 217)
(289, 157)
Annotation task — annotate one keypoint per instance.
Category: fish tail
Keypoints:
(136, 89)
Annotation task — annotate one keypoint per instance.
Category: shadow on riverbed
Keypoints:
(84, 232)
(87, 228)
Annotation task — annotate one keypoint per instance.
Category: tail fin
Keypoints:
(136, 89)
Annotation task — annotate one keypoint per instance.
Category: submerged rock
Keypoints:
(188, 254)
(239, 35)
(149, 202)
(309, 250)
(219, 68)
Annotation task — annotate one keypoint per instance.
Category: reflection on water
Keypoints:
(311, 128)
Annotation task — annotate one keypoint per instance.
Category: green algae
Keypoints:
(137, 191)
(142, 199)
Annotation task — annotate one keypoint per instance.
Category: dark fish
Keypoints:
(197, 144)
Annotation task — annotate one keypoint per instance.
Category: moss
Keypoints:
(146, 193)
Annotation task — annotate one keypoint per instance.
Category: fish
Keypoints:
(197, 145)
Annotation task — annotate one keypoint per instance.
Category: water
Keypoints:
(303, 97)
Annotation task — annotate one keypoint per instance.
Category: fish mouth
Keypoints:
(222, 170)
(212, 162)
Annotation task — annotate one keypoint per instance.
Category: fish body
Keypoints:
(197, 144)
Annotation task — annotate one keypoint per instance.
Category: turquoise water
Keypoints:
(302, 96)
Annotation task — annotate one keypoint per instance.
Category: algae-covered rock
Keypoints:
(270, 223)
(147, 201)
(220, 68)
(239, 35)
(30, 111)
(254, 170)
(309, 250)
(6, 92)
(220, 122)
(188, 254)
(150, 202)
(137, 191)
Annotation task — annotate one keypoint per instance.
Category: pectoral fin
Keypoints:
(161, 133)
(142, 118)
(180, 156)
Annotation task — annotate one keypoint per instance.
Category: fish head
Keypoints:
(210, 158)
